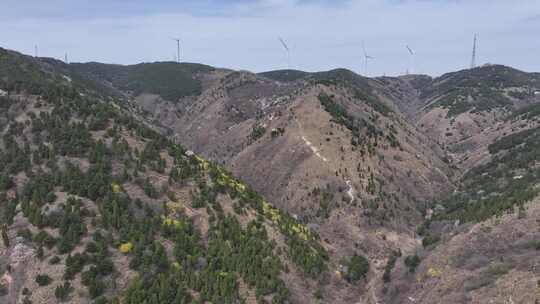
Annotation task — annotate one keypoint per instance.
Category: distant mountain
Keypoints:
(285, 75)
(170, 80)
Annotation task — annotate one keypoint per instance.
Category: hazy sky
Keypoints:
(242, 34)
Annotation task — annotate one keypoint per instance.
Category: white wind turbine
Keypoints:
(286, 47)
(366, 58)
(411, 60)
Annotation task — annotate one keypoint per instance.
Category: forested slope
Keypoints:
(98, 207)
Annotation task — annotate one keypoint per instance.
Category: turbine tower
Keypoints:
(35, 51)
(473, 60)
(177, 49)
(366, 58)
(411, 60)
(286, 50)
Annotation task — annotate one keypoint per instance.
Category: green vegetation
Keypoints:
(527, 113)
(365, 134)
(508, 181)
(488, 275)
(256, 132)
(62, 291)
(43, 280)
(19, 72)
(387, 275)
(373, 102)
(324, 196)
(429, 240)
(475, 100)
(357, 268)
(476, 90)
(285, 75)
(341, 77)
(412, 261)
(170, 80)
(99, 216)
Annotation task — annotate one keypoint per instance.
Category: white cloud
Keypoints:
(321, 36)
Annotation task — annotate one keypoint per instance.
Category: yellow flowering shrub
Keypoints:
(126, 247)
(434, 272)
(116, 188)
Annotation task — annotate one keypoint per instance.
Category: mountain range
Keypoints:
(183, 183)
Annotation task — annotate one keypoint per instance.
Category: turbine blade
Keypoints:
(410, 51)
(283, 43)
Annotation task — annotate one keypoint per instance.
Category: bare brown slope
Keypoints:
(495, 261)
(310, 146)
(465, 111)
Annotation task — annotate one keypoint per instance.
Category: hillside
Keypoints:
(466, 111)
(493, 261)
(362, 160)
(329, 148)
(98, 207)
(482, 241)
(116, 188)
(170, 80)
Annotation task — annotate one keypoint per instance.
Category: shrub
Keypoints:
(43, 279)
(61, 292)
(430, 240)
(54, 260)
(96, 289)
(256, 133)
(390, 265)
(51, 197)
(358, 268)
(412, 261)
(126, 248)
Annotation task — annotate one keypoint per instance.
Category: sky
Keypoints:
(243, 34)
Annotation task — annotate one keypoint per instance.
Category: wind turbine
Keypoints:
(411, 60)
(473, 59)
(286, 50)
(366, 58)
(177, 48)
